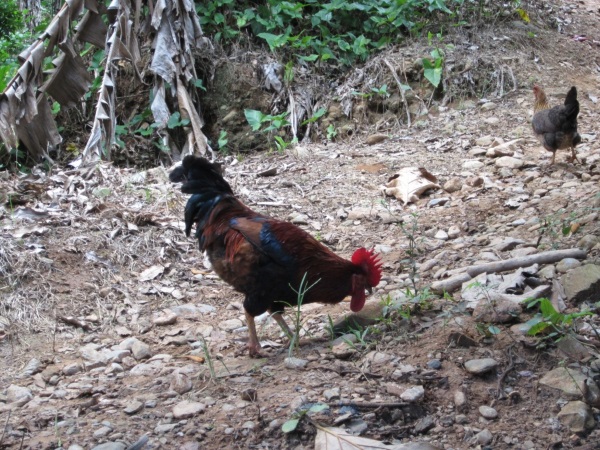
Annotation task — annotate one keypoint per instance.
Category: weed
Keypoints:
(331, 132)
(222, 142)
(292, 424)
(301, 292)
(549, 324)
(411, 232)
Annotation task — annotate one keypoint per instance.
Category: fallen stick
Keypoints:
(453, 283)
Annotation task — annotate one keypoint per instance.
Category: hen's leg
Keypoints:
(253, 344)
(553, 156)
(574, 155)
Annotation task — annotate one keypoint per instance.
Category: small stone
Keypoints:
(489, 106)
(582, 283)
(571, 382)
(453, 185)
(140, 350)
(488, 412)
(165, 428)
(564, 265)
(180, 382)
(548, 272)
(480, 366)
(484, 141)
(577, 416)
(413, 394)
(423, 425)
(71, 369)
(474, 181)
(453, 231)
(484, 437)
(460, 400)
(332, 394)
(133, 407)
(509, 162)
(18, 395)
(248, 425)
(440, 201)
(588, 242)
(110, 446)
(102, 431)
(295, 363)
(187, 409)
(472, 164)
(434, 364)
(230, 325)
(169, 318)
(441, 235)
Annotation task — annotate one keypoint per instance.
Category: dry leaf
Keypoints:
(329, 438)
(408, 184)
(151, 273)
(198, 359)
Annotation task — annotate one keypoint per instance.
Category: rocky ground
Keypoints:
(114, 334)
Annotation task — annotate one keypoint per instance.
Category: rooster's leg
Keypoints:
(253, 344)
(553, 156)
(281, 321)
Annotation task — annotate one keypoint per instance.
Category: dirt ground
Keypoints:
(90, 263)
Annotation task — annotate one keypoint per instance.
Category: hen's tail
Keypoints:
(204, 181)
(571, 104)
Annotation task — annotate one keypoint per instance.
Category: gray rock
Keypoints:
(168, 318)
(231, 324)
(508, 162)
(71, 369)
(424, 425)
(332, 394)
(453, 185)
(588, 242)
(441, 235)
(577, 416)
(582, 283)
(460, 400)
(110, 446)
(140, 350)
(453, 232)
(133, 407)
(187, 409)
(413, 394)
(489, 106)
(508, 244)
(18, 395)
(564, 265)
(484, 141)
(440, 201)
(295, 363)
(102, 431)
(480, 366)
(434, 364)
(488, 412)
(548, 272)
(570, 382)
(180, 382)
(483, 437)
(165, 428)
(75, 447)
(472, 164)
(33, 366)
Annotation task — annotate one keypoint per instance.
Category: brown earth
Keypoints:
(75, 274)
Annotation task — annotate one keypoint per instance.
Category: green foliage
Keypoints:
(222, 142)
(338, 31)
(433, 68)
(549, 324)
(331, 132)
(11, 18)
(292, 424)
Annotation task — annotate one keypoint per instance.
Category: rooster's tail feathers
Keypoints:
(200, 176)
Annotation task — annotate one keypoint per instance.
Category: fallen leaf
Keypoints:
(330, 437)
(151, 273)
(198, 359)
(409, 183)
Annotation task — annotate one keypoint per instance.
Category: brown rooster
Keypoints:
(556, 128)
(264, 258)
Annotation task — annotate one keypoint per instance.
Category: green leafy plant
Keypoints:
(549, 324)
(331, 132)
(222, 142)
(433, 68)
(293, 423)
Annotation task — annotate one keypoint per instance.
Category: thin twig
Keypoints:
(371, 405)
(5, 426)
(395, 75)
(511, 366)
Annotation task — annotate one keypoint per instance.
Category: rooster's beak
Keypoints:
(369, 290)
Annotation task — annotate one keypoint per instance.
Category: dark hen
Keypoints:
(556, 128)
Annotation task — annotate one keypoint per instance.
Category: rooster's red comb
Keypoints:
(370, 260)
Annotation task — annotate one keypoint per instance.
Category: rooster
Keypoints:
(266, 259)
(556, 128)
